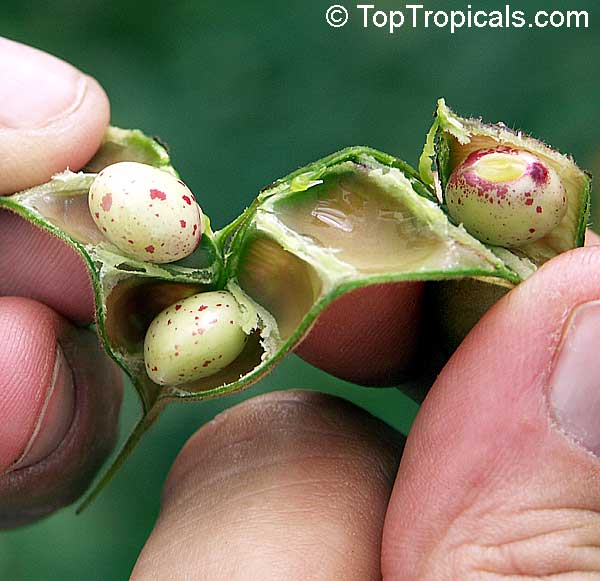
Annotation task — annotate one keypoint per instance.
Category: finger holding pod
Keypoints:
(147, 213)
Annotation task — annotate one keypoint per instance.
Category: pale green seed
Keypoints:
(194, 338)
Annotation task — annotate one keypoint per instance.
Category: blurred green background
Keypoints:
(245, 91)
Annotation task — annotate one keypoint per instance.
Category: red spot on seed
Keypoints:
(206, 363)
(538, 173)
(539, 209)
(176, 353)
(195, 229)
(157, 195)
(187, 200)
(177, 307)
(130, 241)
(107, 202)
(183, 223)
(531, 230)
(169, 322)
(529, 202)
(97, 214)
(202, 308)
(150, 249)
(155, 369)
(219, 304)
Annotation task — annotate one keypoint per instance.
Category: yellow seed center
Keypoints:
(500, 167)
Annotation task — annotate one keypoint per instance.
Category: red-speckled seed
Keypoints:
(194, 338)
(506, 197)
(140, 209)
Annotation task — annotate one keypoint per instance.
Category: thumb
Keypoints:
(52, 116)
(501, 473)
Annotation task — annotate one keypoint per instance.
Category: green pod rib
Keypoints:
(356, 218)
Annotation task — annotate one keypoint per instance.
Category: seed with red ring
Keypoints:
(140, 209)
(506, 197)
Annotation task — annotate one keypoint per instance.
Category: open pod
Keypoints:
(356, 218)
(452, 139)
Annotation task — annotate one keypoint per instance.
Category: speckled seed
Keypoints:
(506, 197)
(145, 212)
(194, 338)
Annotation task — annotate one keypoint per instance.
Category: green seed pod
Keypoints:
(506, 197)
(355, 219)
(194, 338)
(145, 212)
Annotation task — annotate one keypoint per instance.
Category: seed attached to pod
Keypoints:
(145, 212)
(194, 338)
(506, 197)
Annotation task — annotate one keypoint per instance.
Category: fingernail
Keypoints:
(575, 380)
(59, 87)
(56, 415)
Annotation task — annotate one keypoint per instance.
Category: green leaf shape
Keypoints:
(356, 218)
(452, 139)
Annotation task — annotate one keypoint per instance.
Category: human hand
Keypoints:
(297, 484)
(59, 394)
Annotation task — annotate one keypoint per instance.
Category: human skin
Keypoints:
(499, 476)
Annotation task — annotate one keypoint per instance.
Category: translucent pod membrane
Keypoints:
(354, 219)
